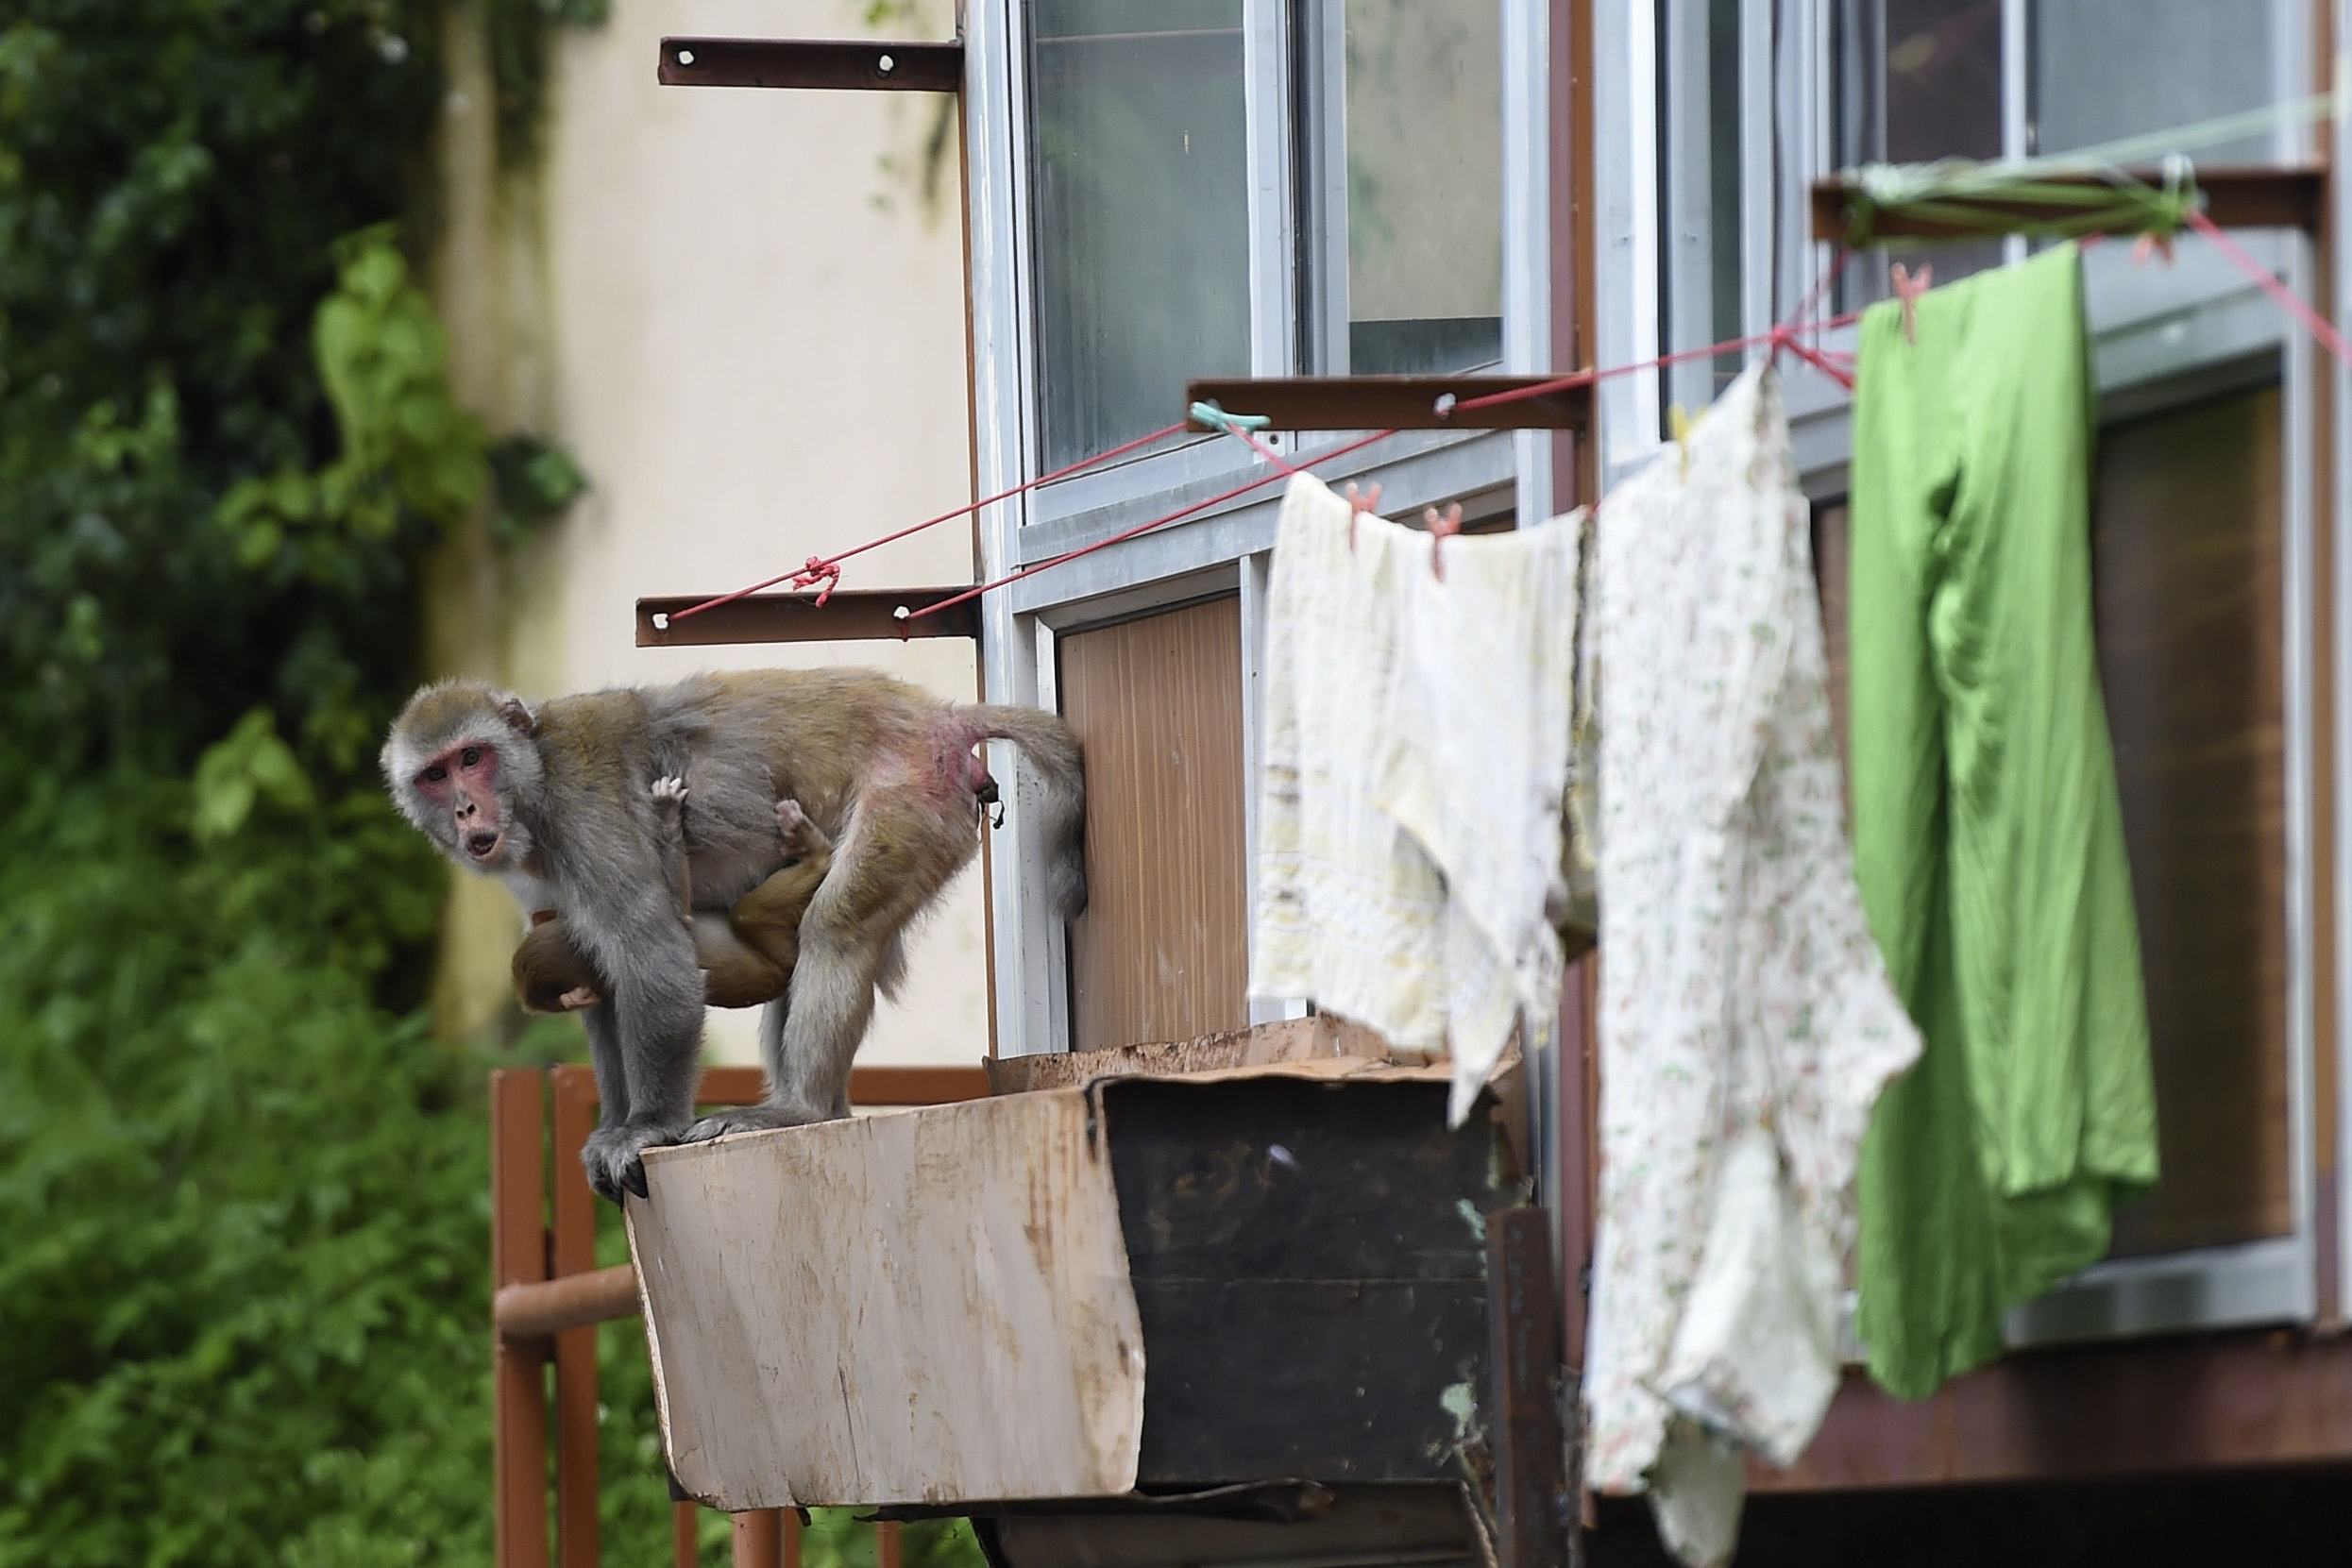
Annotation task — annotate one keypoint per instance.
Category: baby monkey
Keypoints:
(746, 953)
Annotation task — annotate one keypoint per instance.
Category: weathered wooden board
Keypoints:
(1291, 1040)
(1308, 1246)
(927, 1306)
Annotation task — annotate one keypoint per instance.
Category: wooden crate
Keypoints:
(1147, 1284)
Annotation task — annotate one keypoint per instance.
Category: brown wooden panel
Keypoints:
(2185, 543)
(1162, 952)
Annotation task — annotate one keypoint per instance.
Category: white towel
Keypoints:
(1477, 769)
(1415, 755)
(1349, 910)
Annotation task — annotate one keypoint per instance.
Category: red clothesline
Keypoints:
(1790, 335)
(1787, 335)
(826, 570)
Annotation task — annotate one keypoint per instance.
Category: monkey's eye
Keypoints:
(470, 757)
(435, 774)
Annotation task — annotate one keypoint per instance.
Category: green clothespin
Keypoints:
(1232, 424)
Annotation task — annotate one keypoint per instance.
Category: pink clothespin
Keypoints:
(2152, 244)
(1908, 289)
(1441, 528)
(1357, 507)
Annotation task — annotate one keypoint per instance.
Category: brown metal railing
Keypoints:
(548, 1295)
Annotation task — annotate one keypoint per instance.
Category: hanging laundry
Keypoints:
(1478, 770)
(1747, 1024)
(1989, 837)
(1416, 764)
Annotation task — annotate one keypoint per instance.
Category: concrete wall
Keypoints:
(738, 310)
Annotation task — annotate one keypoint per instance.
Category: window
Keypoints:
(1405, 139)
(1141, 218)
(2203, 534)
(1237, 187)
(1767, 94)
(1166, 189)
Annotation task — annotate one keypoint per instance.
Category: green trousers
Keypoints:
(1988, 838)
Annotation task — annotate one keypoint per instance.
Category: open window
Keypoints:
(2202, 517)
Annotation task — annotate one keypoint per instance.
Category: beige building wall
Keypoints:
(742, 316)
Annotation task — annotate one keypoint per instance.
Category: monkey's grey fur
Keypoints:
(557, 804)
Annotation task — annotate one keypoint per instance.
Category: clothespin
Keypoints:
(2168, 210)
(1357, 506)
(1441, 528)
(1908, 289)
(1239, 426)
(1682, 423)
(1232, 424)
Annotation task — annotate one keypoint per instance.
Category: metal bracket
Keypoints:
(852, 66)
(849, 614)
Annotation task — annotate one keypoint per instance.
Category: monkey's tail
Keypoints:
(1048, 743)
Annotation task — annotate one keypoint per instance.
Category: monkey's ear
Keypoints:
(518, 716)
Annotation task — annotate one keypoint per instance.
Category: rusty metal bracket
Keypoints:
(1395, 402)
(2234, 198)
(1531, 1453)
(850, 615)
(842, 64)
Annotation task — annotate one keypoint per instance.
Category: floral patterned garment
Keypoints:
(1747, 1024)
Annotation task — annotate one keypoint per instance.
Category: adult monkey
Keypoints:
(557, 802)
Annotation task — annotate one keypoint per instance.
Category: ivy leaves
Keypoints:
(408, 450)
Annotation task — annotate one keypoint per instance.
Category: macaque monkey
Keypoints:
(557, 802)
(746, 952)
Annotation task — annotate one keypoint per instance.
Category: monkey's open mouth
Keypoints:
(482, 845)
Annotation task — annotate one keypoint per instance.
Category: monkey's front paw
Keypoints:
(794, 831)
(750, 1119)
(611, 1156)
(670, 790)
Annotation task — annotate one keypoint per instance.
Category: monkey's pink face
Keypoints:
(464, 780)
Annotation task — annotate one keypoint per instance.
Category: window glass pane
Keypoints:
(1424, 117)
(2105, 69)
(1142, 212)
(1924, 82)
(1941, 81)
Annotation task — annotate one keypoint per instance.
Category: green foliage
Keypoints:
(519, 62)
(242, 1314)
(535, 483)
(243, 1216)
(173, 176)
(408, 450)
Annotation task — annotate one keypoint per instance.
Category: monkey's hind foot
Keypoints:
(613, 1156)
(765, 1116)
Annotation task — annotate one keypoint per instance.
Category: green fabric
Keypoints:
(1988, 838)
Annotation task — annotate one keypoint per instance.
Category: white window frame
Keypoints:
(1225, 547)
(2340, 519)
(2162, 337)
